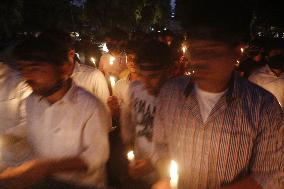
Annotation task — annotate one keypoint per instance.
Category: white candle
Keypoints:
(112, 80)
(131, 157)
(242, 50)
(111, 60)
(93, 60)
(174, 174)
(183, 49)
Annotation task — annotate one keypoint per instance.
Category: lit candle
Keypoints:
(183, 49)
(174, 174)
(242, 50)
(112, 81)
(131, 157)
(93, 60)
(111, 60)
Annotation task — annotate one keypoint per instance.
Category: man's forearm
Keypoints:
(247, 183)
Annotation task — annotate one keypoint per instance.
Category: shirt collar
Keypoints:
(234, 89)
(69, 97)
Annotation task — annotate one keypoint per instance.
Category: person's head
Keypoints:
(166, 36)
(131, 51)
(275, 54)
(153, 65)
(115, 40)
(213, 56)
(45, 62)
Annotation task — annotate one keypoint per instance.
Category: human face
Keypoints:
(131, 62)
(152, 80)
(212, 62)
(41, 76)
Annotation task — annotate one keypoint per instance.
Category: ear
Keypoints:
(71, 55)
(67, 69)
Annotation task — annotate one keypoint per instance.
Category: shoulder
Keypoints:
(254, 94)
(87, 99)
(175, 85)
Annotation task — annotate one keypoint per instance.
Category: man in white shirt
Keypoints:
(13, 92)
(153, 65)
(92, 80)
(113, 63)
(66, 126)
(271, 75)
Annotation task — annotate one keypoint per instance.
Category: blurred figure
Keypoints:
(13, 91)
(120, 91)
(66, 126)
(114, 62)
(222, 130)
(153, 65)
(271, 75)
(253, 57)
(87, 77)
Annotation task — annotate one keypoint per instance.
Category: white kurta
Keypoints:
(92, 80)
(266, 79)
(13, 91)
(76, 125)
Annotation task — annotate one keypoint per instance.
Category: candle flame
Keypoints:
(93, 60)
(242, 50)
(112, 80)
(184, 49)
(130, 156)
(111, 60)
(174, 174)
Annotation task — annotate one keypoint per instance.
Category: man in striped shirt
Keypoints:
(223, 131)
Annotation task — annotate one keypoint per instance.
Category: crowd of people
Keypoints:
(64, 124)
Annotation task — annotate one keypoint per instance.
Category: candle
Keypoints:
(131, 157)
(111, 60)
(174, 174)
(242, 50)
(183, 49)
(93, 60)
(112, 81)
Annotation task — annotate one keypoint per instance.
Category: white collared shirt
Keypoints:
(92, 80)
(266, 79)
(13, 91)
(76, 125)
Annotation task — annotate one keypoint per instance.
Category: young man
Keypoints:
(271, 75)
(222, 131)
(113, 63)
(87, 77)
(153, 64)
(66, 126)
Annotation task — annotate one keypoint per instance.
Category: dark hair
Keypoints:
(50, 46)
(154, 53)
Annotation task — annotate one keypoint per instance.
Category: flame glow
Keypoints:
(174, 174)
(111, 60)
(112, 80)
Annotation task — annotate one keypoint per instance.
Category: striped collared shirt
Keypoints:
(243, 136)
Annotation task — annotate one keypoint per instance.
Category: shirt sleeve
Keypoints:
(95, 138)
(126, 121)
(100, 86)
(159, 133)
(267, 165)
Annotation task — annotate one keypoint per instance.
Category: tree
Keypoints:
(10, 17)
(107, 14)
